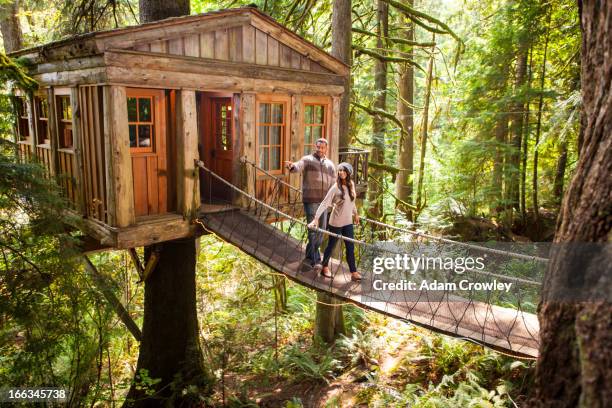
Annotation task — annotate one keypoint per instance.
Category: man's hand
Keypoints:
(313, 224)
(288, 165)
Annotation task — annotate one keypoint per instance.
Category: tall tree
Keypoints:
(405, 113)
(341, 49)
(170, 347)
(10, 27)
(377, 153)
(575, 363)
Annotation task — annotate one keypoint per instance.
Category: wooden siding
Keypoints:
(92, 151)
(241, 43)
(25, 151)
(67, 173)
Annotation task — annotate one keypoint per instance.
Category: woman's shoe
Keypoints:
(355, 276)
(325, 272)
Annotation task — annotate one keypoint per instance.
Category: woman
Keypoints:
(341, 196)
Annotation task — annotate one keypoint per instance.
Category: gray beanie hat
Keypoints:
(347, 167)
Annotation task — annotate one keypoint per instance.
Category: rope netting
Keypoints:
(484, 293)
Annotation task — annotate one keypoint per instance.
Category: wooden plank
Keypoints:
(273, 52)
(295, 60)
(143, 47)
(261, 47)
(176, 46)
(159, 46)
(119, 169)
(285, 56)
(192, 45)
(334, 124)
(235, 44)
(183, 65)
(304, 63)
(248, 121)
(99, 154)
(204, 82)
(53, 141)
(152, 185)
(72, 78)
(221, 45)
(84, 109)
(187, 151)
(77, 145)
(139, 166)
(91, 154)
(154, 230)
(296, 138)
(31, 122)
(72, 64)
(207, 45)
(248, 44)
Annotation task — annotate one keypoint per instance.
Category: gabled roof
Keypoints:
(140, 37)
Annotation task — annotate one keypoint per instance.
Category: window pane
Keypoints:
(144, 109)
(144, 135)
(132, 135)
(319, 114)
(308, 114)
(264, 138)
(275, 135)
(264, 113)
(317, 132)
(275, 158)
(263, 158)
(277, 113)
(132, 115)
(308, 135)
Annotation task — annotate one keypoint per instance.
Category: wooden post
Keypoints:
(32, 123)
(188, 197)
(119, 181)
(53, 140)
(77, 144)
(334, 143)
(247, 113)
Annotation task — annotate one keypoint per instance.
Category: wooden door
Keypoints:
(147, 127)
(221, 143)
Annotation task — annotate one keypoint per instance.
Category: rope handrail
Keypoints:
(412, 232)
(343, 238)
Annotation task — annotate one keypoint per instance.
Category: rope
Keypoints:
(416, 233)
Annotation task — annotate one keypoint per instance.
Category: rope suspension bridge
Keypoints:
(493, 305)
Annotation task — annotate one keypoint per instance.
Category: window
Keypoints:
(223, 124)
(42, 120)
(141, 123)
(64, 121)
(23, 127)
(314, 125)
(271, 135)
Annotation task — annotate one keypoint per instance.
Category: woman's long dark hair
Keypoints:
(349, 185)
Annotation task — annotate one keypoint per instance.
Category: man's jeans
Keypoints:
(315, 239)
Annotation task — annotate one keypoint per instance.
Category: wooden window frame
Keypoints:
(286, 102)
(324, 101)
(23, 101)
(38, 120)
(151, 94)
(63, 124)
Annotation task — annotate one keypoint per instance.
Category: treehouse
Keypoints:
(121, 116)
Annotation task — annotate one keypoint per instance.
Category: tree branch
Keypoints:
(395, 40)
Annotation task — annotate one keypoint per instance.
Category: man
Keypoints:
(318, 175)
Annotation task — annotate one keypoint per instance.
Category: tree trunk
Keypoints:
(517, 115)
(377, 154)
(405, 113)
(525, 144)
(170, 346)
(560, 173)
(341, 49)
(424, 126)
(9, 26)
(501, 132)
(575, 363)
(153, 10)
(536, 210)
(329, 321)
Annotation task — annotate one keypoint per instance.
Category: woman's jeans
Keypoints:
(315, 239)
(346, 231)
